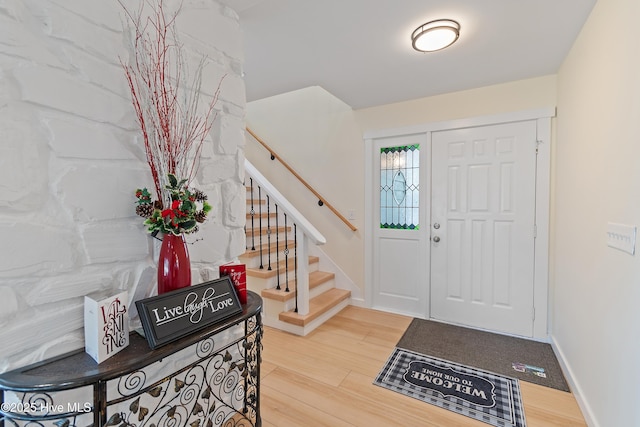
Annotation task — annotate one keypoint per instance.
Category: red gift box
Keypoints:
(238, 274)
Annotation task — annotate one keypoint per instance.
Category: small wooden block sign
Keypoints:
(106, 325)
(173, 315)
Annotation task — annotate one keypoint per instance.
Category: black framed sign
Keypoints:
(173, 315)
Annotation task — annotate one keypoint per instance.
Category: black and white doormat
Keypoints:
(477, 394)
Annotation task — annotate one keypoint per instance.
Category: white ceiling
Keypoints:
(360, 50)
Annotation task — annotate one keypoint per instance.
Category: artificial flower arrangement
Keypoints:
(188, 208)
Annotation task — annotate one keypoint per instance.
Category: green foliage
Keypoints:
(188, 208)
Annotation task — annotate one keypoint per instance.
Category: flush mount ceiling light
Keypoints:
(435, 35)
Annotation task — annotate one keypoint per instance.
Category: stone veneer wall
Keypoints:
(71, 157)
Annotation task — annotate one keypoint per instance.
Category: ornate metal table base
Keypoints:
(210, 378)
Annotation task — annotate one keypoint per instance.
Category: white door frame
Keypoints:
(543, 194)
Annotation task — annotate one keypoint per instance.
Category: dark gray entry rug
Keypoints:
(477, 394)
(524, 359)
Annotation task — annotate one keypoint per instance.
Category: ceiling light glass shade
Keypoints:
(435, 35)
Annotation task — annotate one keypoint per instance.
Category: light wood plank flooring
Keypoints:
(325, 379)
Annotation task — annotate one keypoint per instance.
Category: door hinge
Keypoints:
(538, 142)
(535, 231)
(533, 314)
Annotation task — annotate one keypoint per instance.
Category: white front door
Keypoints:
(400, 268)
(482, 226)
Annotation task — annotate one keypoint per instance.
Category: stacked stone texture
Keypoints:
(71, 157)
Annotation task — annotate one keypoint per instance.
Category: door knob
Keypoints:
(436, 226)
(436, 239)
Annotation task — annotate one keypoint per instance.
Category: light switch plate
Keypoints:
(621, 237)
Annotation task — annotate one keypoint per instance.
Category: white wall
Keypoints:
(594, 289)
(71, 158)
(322, 138)
(503, 98)
(597, 288)
(317, 135)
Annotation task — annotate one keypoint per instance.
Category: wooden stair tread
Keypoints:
(316, 278)
(279, 265)
(264, 231)
(265, 274)
(263, 215)
(266, 248)
(250, 253)
(317, 306)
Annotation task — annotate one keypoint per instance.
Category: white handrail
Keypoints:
(302, 223)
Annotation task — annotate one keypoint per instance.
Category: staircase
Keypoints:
(297, 297)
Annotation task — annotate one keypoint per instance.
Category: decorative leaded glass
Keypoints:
(400, 187)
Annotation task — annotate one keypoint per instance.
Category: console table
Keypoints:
(209, 378)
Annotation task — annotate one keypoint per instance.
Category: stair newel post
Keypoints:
(252, 211)
(302, 273)
(277, 251)
(286, 255)
(260, 222)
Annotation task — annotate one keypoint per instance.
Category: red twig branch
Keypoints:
(167, 109)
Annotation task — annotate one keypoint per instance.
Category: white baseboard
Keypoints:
(358, 302)
(587, 413)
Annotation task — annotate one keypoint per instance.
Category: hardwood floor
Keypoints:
(326, 379)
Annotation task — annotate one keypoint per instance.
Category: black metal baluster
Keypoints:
(260, 222)
(286, 255)
(252, 212)
(277, 251)
(269, 231)
(295, 262)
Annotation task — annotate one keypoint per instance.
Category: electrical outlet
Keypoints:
(352, 214)
(622, 237)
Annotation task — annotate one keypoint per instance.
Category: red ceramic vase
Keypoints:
(174, 266)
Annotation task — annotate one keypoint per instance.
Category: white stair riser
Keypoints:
(272, 309)
(281, 237)
(254, 260)
(257, 284)
(268, 215)
(303, 330)
(291, 304)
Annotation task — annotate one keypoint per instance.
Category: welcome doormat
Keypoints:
(477, 394)
(521, 358)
